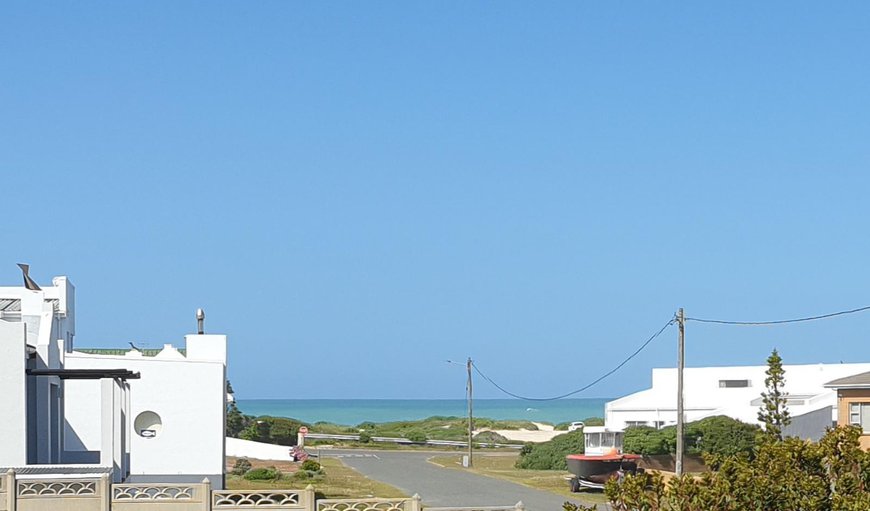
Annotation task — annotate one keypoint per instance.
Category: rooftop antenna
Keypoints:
(28, 282)
(200, 319)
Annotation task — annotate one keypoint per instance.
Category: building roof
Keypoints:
(861, 380)
(120, 352)
(10, 304)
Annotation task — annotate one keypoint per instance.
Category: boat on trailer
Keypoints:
(602, 460)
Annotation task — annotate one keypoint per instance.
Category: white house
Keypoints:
(139, 415)
(735, 392)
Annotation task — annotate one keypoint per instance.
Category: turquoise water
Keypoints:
(354, 411)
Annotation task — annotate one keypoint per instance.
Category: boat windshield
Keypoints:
(593, 440)
(602, 442)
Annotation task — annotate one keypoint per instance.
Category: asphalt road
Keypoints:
(411, 472)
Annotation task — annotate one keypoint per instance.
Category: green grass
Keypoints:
(501, 466)
(339, 482)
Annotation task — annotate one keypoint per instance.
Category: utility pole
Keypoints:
(681, 362)
(470, 414)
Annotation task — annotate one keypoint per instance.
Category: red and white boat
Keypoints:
(603, 459)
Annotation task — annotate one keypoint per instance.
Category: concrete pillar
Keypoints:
(105, 493)
(11, 490)
(206, 494)
(107, 426)
(415, 503)
(308, 503)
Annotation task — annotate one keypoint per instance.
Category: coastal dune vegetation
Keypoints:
(284, 430)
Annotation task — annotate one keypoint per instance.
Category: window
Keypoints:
(632, 424)
(733, 384)
(859, 415)
(593, 440)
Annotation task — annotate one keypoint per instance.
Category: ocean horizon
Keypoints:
(351, 412)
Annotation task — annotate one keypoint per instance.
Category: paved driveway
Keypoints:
(411, 472)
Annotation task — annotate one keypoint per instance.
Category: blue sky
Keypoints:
(356, 192)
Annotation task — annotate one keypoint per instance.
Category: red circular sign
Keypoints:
(303, 430)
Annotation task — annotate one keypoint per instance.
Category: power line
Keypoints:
(781, 321)
(605, 375)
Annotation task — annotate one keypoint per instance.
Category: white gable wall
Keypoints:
(13, 397)
(188, 395)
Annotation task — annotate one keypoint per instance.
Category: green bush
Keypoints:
(273, 430)
(792, 474)
(263, 474)
(310, 465)
(365, 437)
(302, 475)
(309, 469)
(720, 435)
(416, 436)
(551, 455)
(490, 437)
(649, 441)
(241, 467)
(593, 421)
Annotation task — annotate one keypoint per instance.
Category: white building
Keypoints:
(139, 415)
(734, 392)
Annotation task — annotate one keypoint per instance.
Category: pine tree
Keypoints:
(774, 412)
(236, 422)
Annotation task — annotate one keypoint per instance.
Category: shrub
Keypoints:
(302, 475)
(263, 474)
(365, 437)
(649, 441)
(720, 436)
(309, 469)
(593, 421)
(571, 506)
(274, 430)
(416, 436)
(241, 467)
(490, 437)
(551, 455)
(310, 465)
(831, 475)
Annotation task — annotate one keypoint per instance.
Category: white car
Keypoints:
(574, 426)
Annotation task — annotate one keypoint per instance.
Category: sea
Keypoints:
(351, 412)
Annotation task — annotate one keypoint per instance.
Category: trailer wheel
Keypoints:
(575, 485)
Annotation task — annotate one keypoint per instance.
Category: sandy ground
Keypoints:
(545, 433)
